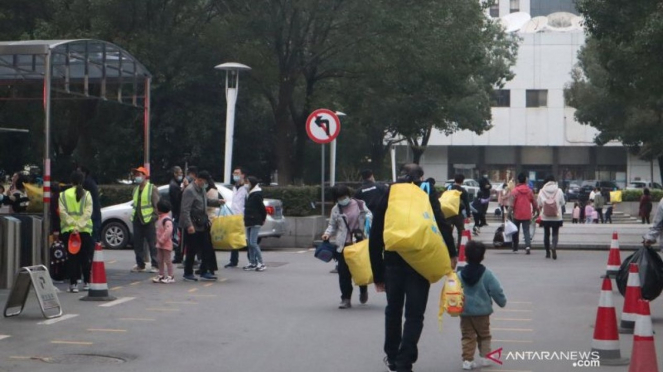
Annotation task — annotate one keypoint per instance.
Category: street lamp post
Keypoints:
(232, 70)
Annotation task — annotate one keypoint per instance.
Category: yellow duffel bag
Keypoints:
(411, 231)
(450, 202)
(616, 196)
(359, 262)
(228, 232)
(36, 196)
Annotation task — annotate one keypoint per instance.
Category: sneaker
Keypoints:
(167, 280)
(467, 365)
(230, 265)
(250, 267)
(475, 231)
(190, 278)
(138, 269)
(345, 304)
(86, 286)
(391, 366)
(73, 288)
(157, 279)
(527, 250)
(261, 267)
(154, 269)
(485, 362)
(208, 277)
(363, 297)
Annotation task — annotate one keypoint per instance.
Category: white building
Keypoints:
(533, 130)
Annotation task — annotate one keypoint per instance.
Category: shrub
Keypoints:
(115, 194)
(635, 195)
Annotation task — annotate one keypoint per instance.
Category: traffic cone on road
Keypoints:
(614, 260)
(466, 237)
(633, 294)
(98, 286)
(606, 337)
(643, 358)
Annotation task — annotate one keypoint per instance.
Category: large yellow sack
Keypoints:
(228, 232)
(411, 231)
(450, 202)
(616, 196)
(359, 262)
(36, 196)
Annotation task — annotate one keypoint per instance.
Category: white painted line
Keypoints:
(300, 252)
(82, 343)
(55, 320)
(117, 302)
(2, 337)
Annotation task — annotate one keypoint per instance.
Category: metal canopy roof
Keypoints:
(82, 59)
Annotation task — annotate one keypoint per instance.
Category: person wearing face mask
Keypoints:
(144, 215)
(240, 194)
(348, 218)
(254, 217)
(175, 195)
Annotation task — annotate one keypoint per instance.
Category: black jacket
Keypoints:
(175, 194)
(376, 241)
(371, 193)
(90, 185)
(464, 200)
(254, 209)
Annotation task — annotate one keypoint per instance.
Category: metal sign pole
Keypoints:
(322, 187)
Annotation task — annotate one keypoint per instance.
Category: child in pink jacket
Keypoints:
(589, 211)
(164, 243)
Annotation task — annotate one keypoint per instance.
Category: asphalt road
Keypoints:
(286, 319)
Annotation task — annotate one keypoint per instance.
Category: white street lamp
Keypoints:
(232, 70)
(332, 155)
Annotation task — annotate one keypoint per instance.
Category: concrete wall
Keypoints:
(300, 233)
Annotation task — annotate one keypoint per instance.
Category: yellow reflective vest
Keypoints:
(75, 214)
(146, 208)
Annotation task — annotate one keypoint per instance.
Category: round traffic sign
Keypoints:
(323, 126)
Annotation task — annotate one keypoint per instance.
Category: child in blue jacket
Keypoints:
(481, 288)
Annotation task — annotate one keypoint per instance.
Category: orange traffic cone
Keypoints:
(633, 294)
(643, 358)
(606, 337)
(466, 237)
(614, 260)
(98, 286)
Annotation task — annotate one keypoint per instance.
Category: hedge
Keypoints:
(634, 195)
(115, 194)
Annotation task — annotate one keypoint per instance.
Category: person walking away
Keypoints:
(478, 207)
(254, 217)
(484, 192)
(481, 288)
(165, 228)
(144, 215)
(523, 204)
(194, 221)
(347, 219)
(608, 213)
(175, 196)
(240, 194)
(645, 206)
(76, 217)
(654, 232)
(464, 211)
(599, 203)
(550, 201)
(576, 213)
(90, 185)
(405, 287)
(589, 212)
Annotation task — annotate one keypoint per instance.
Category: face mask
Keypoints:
(179, 178)
(236, 178)
(138, 179)
(189, 178)
(205, 185)
(344, 202)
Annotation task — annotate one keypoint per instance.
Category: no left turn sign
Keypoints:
(323, 126)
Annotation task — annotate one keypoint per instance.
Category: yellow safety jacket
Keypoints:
(146, 208)
(75, 210)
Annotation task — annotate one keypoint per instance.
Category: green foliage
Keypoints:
(635, 195)
(115, 194)
(296, 199)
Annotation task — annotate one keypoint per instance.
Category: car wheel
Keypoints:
(115, 235)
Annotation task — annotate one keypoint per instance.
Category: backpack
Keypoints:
(325, 251)
(498, 239)
(550, 207)
(452, 298)
(58, 261)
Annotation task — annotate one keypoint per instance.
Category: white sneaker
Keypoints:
(467, 365)
(86, 286)
(137, 269)
(154, 269)
(157, 279)
(485, 362)
(73, 288)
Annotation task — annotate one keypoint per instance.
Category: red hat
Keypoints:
(141, 170)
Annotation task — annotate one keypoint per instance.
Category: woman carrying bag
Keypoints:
(76, 226)
(347, 220)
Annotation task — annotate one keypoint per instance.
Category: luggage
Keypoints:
(616, 196)
(452, 298)
(650, 269)
(359, 262)
(58, 261)
(228, 231)
(411, 231)
(498, 239)
(325, 251)
(450, 202)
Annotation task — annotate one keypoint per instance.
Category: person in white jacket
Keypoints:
(551, 203)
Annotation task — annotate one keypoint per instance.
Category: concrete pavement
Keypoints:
(285, 319)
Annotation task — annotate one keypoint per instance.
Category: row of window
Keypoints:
(514, 6)
(533, 98)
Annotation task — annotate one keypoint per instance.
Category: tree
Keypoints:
(617, 86)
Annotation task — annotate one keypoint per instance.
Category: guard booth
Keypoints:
(66, 69)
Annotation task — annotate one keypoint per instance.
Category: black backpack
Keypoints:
(498, 239)
(58, 261)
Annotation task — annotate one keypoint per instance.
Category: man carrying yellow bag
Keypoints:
(410, 246)
(228, 230)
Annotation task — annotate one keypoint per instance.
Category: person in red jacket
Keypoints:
(523, 203)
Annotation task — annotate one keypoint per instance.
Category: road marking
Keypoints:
(182, 302)
(83, 343)
(155, 309)
(193, 290)
(21, 357)
(513, 319)
(135, 283)
(2, 337)
(208, 285)
(117, 302)
(111, 262)
(223, 280)
(514, 341)
(311, 249)
(304, 251)
(139, 319)
(55, 320)
(116, 288)
(202, 295)
(514, 329)
(105, 330)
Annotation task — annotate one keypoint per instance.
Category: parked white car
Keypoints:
(642, 184)
(117, 228)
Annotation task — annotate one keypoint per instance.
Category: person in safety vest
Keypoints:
(405, 287)
(144, 216)
(76, 217)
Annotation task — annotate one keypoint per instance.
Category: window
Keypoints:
(536, 98)
(501, 98)
(515, 6)
(495, 9)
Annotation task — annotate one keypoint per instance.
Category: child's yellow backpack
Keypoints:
(452, 299)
